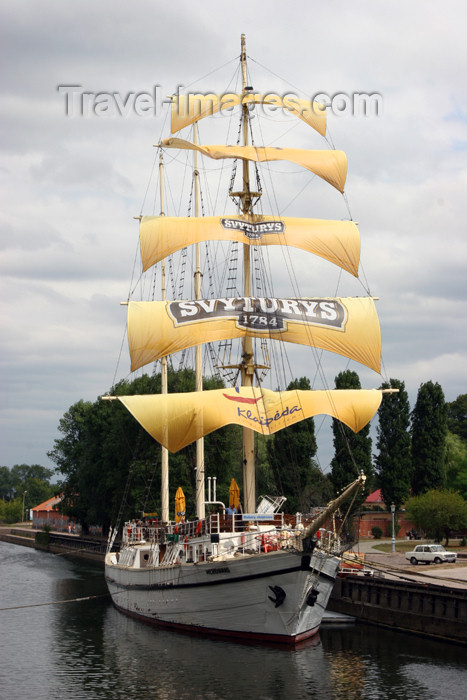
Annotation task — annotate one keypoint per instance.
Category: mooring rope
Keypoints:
(56, 602)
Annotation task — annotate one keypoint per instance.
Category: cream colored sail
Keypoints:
(335, 241)
(187, 109)
(176, 420)
(347, 326)
(329, 165)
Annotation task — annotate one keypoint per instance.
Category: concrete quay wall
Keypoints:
(92, 549)
(14, 536)
(438, 611)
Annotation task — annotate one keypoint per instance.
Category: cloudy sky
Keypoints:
(72, 184)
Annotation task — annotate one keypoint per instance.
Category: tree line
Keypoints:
(421, 459)
(22, 487)
(104, 458)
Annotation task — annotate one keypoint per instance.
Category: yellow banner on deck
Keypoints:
(336, 241)
(176, 420)
(329, 165)
(346, 326)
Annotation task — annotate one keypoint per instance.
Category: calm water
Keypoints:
(87, 650)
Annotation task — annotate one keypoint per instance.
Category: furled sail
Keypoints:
(329, 165)
(187, 109)
(176, 420)
(336, 241)
(347, 326)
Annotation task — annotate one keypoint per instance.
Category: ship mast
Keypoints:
(200, 494)
(164, 385)
(247, 367)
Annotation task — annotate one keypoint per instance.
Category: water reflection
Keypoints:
(166, 665)
(369, 662)
(87, 650)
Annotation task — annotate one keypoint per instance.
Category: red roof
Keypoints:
(375, 497)
(50, 504)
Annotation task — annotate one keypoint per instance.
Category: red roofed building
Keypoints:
(47, 514)
(375, 513)
(375, 500)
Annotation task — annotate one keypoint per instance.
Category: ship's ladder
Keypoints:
(171, 555)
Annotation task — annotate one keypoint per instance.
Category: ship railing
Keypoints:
(277, 527)
(132, 533)
(161, 533)
(253, 533)
(241, 522)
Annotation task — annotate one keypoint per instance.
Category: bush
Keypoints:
(10, 511)
(376, 532)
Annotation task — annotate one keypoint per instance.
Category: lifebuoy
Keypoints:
(270, 543)
(199, 526)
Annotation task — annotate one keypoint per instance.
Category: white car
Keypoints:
(430, 553)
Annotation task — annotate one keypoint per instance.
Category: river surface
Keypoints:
(87, 650)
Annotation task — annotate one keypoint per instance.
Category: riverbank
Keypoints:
(435, 610)
(428, 600)
(76, 546)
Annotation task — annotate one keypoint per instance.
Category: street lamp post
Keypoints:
(393, 541)
(22, 512)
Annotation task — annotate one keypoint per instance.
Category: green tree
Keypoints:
(7, 490)
(10, 511)
(428, 438)
(29, 480)
(102, 447)
(352, 451)
(80, 456)
(266, 479)
(438, 512)
(456, 464)
(393, 463)
(457, 416)
(291, 453)
(22, 472)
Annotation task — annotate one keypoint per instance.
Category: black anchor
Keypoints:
(279, 595)
(312, 596)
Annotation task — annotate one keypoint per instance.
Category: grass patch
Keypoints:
(408, 545)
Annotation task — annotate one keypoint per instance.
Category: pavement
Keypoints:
(395, 565)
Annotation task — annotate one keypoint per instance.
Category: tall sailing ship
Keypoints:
(258, 573)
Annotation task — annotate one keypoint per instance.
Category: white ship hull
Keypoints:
(261, 596)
